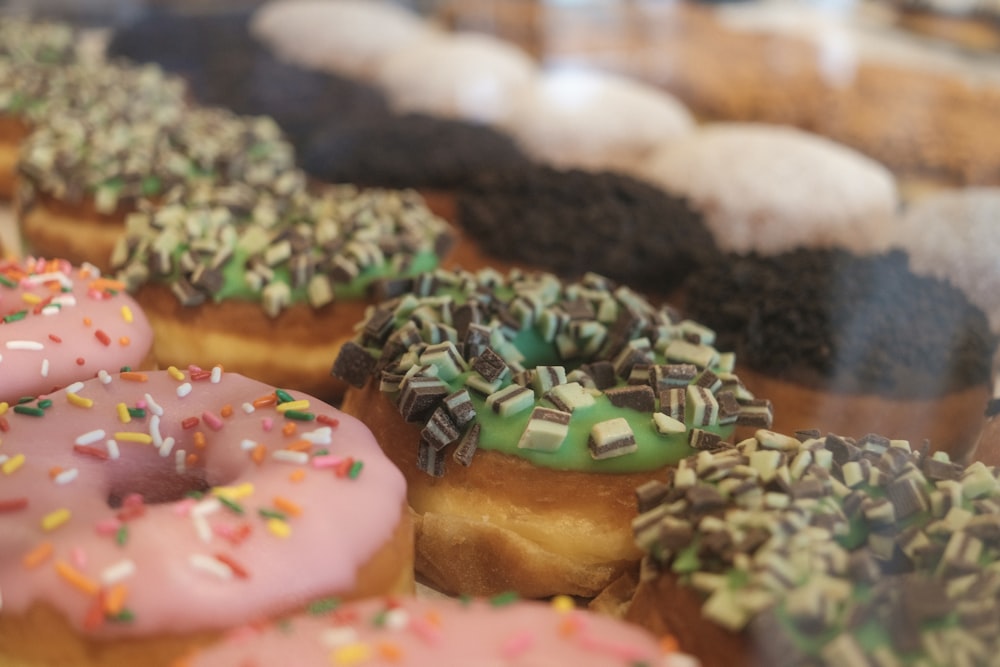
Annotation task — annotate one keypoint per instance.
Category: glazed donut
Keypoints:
(268, 285)
(146, 513)
(524, 411)
(60, 324)
(822, 550)
(83, 175)
(412, 631)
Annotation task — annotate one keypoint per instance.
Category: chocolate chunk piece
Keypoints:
(354, 364)
(546, 430)
(430, 460)
(490, 365)
(634, 397)
(419, 397)
(460, 407)
(467, 445)
(440, 431)
(610, 438)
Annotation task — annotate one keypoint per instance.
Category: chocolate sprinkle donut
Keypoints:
(574, 221)
(843, 321)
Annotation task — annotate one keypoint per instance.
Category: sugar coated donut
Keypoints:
(523, 411)
(408, 632)
(60, 324)
(812, 549)
(143, 513)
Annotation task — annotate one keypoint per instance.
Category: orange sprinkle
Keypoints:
(199, 439)
(258, 454)
(114, 599)
(38, 555)
(54, 472)
(390, 651)
(434, 618)
(669, 644)
(94, 618)
(191, 459)
(226, 411)
(299, 446)
(124, 341)
(287, 506)
(297, 475)
(569, 626)
(87, 321)
(102, 284)
(265, 401)
(289, 428)
(77, 579)
(134, 376)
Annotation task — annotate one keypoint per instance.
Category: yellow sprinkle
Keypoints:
(279, 528)
(127, 314)
(350, 654)
(80, 401)
(31, 299)
(12, 464)
(233, 492)
(293, 405)
(123, 415)
(134, 436)
(563, 603)
(3, 407)
(54, 519)
(77, 578)
(175, 373)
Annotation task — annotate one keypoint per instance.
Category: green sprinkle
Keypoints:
(7, 282)
(121, 535)
(124, 616)
(465, 599)
(25, 399)
(271, 514)
(323, 606)
(125, 369)
(284, 625)
(300, 416)
(197, 495)
(321, 452)
(379, 619)
(231, 505)
(355, 469)
(45, 403)
(28, 410)
(283, 396)
(138, 413)
(14, 317)
(504, 599)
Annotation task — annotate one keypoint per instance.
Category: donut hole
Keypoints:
(162, 484)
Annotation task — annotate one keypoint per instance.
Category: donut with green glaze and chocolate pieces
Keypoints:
(524, 411)
(823, 550)
(269, 282)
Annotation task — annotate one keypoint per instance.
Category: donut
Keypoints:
(970, 25)
(571, 221)
(563, 119)
(269, 284)
(73, 202)
(812, 549)
(830, 194)
(348, 37)
(505, 401)
(502, 630)
(949, 235)
(146, 513)
(859, 343)
(60, 324)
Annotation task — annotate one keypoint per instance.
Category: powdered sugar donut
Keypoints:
(60, 324)
(143, 513)
(469, 76)
(348, 37)
(770, 188)
(402, 632)
(593, 120)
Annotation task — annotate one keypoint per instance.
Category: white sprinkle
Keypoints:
(113, 451)
(66, 476)
(90, 437)
(180, 465)
(74, 388)
(63, 300)
(103, 376)
(334, 637)
(216, 374)
(42, 278)
(45, 368)
(247, 444)
(4, 458)
(248, 408)
(167, 446)
(24, 345)
(51, 310)
(91, 270)
(211, 565)
(184, 389)
(320, 436)
(154, 431)
(154, 407)
(288, 456)
(1, 357)
(205, 507)
(120, 571)
(201, 528)
(397, 619)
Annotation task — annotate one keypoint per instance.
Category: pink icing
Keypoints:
(410, 631)
(185, 564)
(53, 345)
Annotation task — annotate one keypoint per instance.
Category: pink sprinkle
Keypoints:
(423, 629)
(223, 531)
(79, 557)
(184, 507)
(517, 645)
(619, 650)
(108, 526)
(194, 369)
(141, 404)
(97, 295)
(327, 461)
(267, 423)
(133, 500)
(213, 422)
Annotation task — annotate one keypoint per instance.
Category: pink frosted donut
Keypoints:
(445, 632)
(60, 324)
(143, 513)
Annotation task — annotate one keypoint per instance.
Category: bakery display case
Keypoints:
(685, 312)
